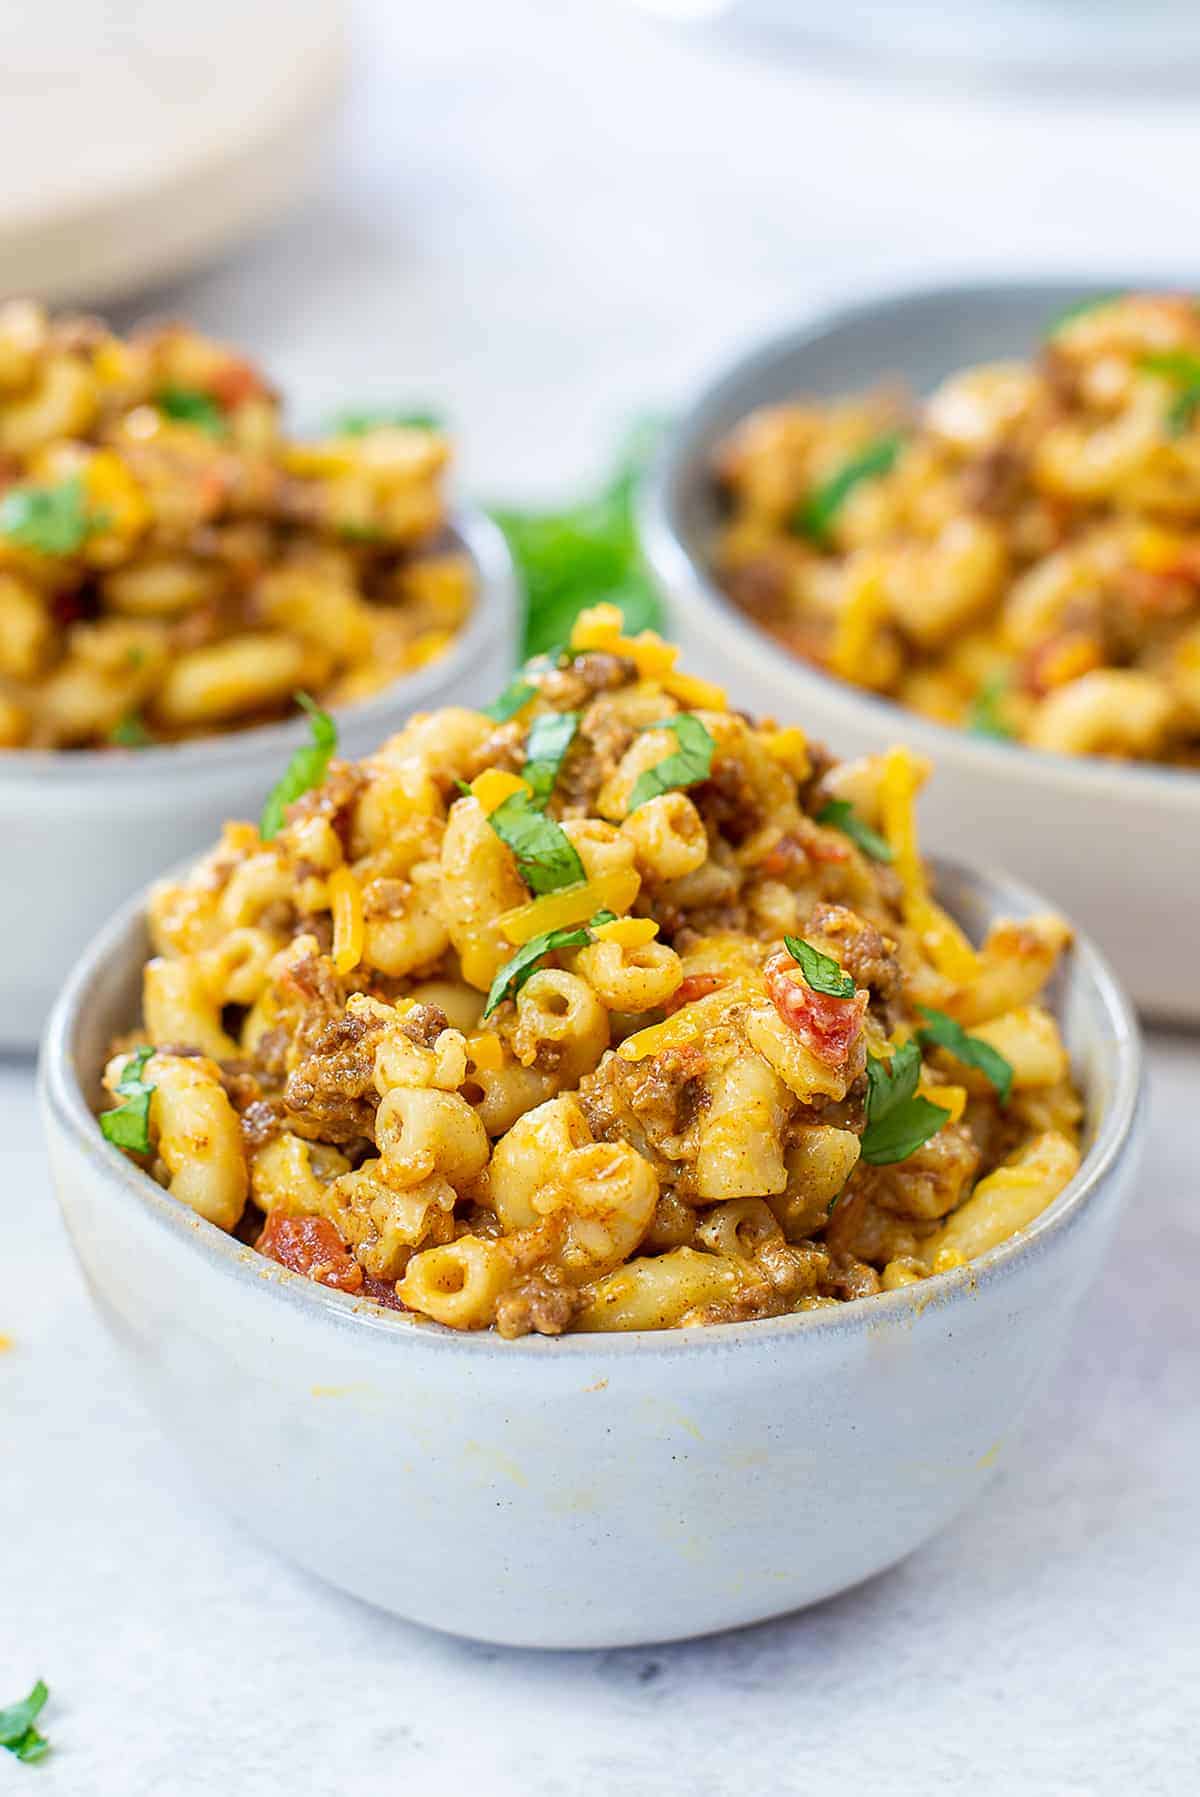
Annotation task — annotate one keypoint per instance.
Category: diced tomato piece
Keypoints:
(235, 382)
(312, 1246)
(693, 986)
(828, 1027)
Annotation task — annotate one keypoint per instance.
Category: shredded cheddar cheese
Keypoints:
(863, 610)
(613, 891)
(627, 932)
(688, 1022)
(345, 903)
(696, 694)
(493, 786)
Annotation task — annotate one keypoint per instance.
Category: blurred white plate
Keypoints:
(139, 136)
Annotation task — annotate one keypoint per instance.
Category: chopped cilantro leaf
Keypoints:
(691, 762)
(840, 814)
(17, 1731)
(130, 732)
(128, 1124)
(357, 424)
(513, 975)
(1182, 368)
(192, 405)
(306, 769)
(550, 736)
(518, 692)
(984, 717)
(579, 555)
(545, 855)
(1078, 309)
(821, 972)
(941, 1031)
(52, 520)
(818, 509)
(898, 1121)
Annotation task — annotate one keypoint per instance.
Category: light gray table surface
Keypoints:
(545, 218)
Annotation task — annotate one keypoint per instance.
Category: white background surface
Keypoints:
(545, 218)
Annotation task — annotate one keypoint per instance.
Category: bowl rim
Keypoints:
(66, 1110)
(495, 610)
(677, 570)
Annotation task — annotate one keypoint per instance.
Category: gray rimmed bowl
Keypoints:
(85, 830)
(597, 1490)
(1116, 846)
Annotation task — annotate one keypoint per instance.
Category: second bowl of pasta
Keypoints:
(968, 516)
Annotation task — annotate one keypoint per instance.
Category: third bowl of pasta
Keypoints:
(179, 577)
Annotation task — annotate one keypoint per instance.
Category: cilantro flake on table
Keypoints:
(17, 1731)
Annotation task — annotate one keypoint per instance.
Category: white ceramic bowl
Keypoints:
(597, 1490)
(83, 831)
(1116, 846)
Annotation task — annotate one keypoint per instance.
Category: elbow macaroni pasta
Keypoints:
(657, 1121)
(1019, 557)
(171, 564)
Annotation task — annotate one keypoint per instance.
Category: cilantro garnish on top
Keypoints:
(53, 520)
(840, 814)
(192, 405)
(127, 1125)
(691, 762)
(545, 855)
(898, 1120)
(940, 1031)
(306, 768)
(821, 972)
(816, 512)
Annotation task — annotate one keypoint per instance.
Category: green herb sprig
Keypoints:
(814, 516)
(192, 405)
(127, 1125)
(546, 858)
(357, 424)
(940, 1031)
(1182, 368)
(688, 766)
(984, 717)
(839, 814)
(17, 1731)
(898, 1121)
(578, 555)
(1079, 309)
(52, 520)
(306, 768)
(821, 972)
(130, 732)
(546, 746)
(529, 957)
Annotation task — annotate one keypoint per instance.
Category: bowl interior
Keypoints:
(102, 997)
